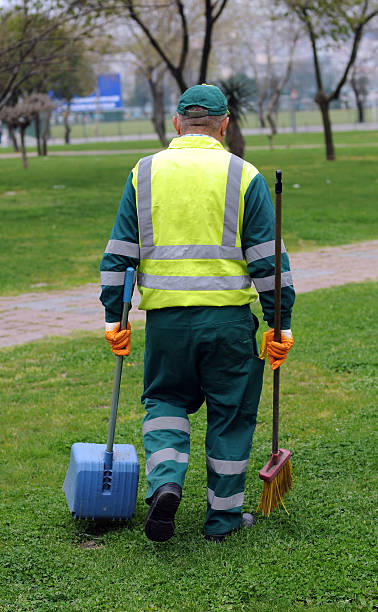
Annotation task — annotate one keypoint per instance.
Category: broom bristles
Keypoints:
(274, 491)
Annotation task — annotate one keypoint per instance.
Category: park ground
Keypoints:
(140, 128)
(56, 220)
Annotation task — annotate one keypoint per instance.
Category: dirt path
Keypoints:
(33, 316)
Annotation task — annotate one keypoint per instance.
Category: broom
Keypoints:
(277, 473)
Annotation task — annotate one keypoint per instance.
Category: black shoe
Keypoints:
(160, 524)
(247, 521)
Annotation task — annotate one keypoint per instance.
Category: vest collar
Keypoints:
(195, 141)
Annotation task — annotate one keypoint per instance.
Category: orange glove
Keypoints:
(119, 341)
(277, 351)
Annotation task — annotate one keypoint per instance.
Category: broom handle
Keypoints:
(277, 307)
(127, 294)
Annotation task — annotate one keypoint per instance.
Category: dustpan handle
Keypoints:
(277, 307)
(127, 295)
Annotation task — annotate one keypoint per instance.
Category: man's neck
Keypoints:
(202, 134)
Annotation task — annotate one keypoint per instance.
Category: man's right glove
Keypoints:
(120, 341)
(277, 351)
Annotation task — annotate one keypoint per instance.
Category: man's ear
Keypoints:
(176, 123)
(223, 126)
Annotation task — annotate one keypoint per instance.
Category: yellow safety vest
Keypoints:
(190, 203)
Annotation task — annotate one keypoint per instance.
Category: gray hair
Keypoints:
(210, 123)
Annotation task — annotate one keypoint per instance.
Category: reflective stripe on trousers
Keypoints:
(225, 503)
(166, 439)
(162, 456)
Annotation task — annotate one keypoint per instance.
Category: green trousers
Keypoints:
(192, 355)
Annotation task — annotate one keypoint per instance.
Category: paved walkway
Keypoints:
(32, 316)
(96, 152)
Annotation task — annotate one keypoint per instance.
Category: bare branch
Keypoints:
(174, 70)
(358, 31)
(220, 9)
(185, 36)
(308, 24)
(209, 25)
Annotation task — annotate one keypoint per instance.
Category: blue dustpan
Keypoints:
(102, 479)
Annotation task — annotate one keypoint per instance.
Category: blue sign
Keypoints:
(107, 96)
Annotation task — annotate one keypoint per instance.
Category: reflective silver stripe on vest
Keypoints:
(121, 247)
(230, 225)
(193, 283)
(221, 466)
(112, 279)
(267, 283)
(259, 251)
(146, 231)
(231, 209)
(165, 454)
(166, 423)
(224, 503)
(191, 251)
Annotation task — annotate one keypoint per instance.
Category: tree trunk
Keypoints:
(273, 128)
(46, 131)
(234, 138)
(260, 112)
(37, 123)
(360, 110)
(206, 47)
(359, 100)
(323, 103)
(67, 127)
(158, 117)
(23, 149)
(13, 138)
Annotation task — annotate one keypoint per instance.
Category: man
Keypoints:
(198, 223)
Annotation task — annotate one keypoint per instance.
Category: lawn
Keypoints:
(144, 126)
(319, 557)
(57, 216)
(283, 139)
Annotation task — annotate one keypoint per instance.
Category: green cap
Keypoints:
(209, 97)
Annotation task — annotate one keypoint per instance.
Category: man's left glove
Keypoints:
(277, 351)
(120, 341)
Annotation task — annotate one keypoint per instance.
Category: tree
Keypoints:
(212, 12)
(240, 92)
(271, 48)
(151, 70)
(74, 76)
(265, 50)
(364, 71)
(331, 22)
(277, 88)
(30, 41)
(23, 114)
(359, 82)
(41, 106)
(171, 30)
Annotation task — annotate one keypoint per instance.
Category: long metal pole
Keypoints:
(116, 385)
(277, 307)
(127, 295)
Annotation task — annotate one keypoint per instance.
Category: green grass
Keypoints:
(324, 203)
(98, 146)
(144, 126)
(56, 217)
(319, 557)
(288, 140)
(314, 138)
